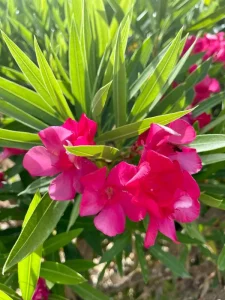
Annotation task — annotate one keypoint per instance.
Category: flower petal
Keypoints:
(188, 159)
(54, 137)
(167, 227)
(62, 187)
(38, 161)
(186, 131)
(94, 180)
(151, 233)
(111, 220)
(121, 174)
(186, 208)
(133, 210)
(91, 203)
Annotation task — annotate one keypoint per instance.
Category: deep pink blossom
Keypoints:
(166, 192)
(171, 141)
(212, 45)
(41, 292)
(205, 88)
(8, 152)
(52, 159)
(2, 177)
(106, 197)
(83, 131)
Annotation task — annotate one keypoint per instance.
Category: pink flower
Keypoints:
(2, 177)
(106, 197)
(41, 291)
(166, 192)
(83, 131)
(7, 152)
(203, 120)
(53, 159)
(205, 88)
(169, 141)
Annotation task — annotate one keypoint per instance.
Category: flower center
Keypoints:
(109, 192)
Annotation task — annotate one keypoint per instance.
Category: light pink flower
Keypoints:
(8, 152)
(41, 292)
(170, 141)
(106, 197)
(52, 159)
(166, 192)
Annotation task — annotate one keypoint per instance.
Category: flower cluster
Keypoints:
(211, 45)
(160, 186)
(41, 292)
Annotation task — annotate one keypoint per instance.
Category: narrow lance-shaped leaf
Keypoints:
(96, 151)
(208, 142)
(18, 139)
(209, 20)
(221, 260)
(59, 273)
(60, 240)
(99, 100)
(78, 72)
(29, 267)
(52, 85)
(156, 81)
(38, 228)
(88, 292)
(134, 129)
(30, 70)
(170, 261)
(21, 116)
(119, 85)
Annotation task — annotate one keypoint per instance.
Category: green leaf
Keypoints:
(56, 297)
(170, 261)
(52, 85)
(29, 267)
(208, 142)
(21, 116)
(157, 80)
(40, 184)
(210, 201)
(29, 69)
(80, 265)
(141, 257)
(213, 188)
(22, 30)
(8, 291)
(78, 72)
(99, 100)
(120, 243)
(17, 139)
(27, 100)
(60, 240)
(74, 213)
(4, 296)
(139, 59)
(101, 25)
(96, 151)
(59, 273)
(38, 228)
(193, 232)
(124, 30)
(119, 85)
(213, 124)
(221, 260)
(209, 20)
(212, 158)
(87, 292)
(134, 129)
(207, 104)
